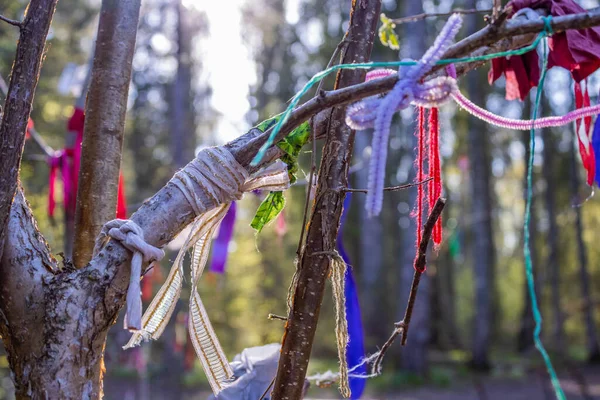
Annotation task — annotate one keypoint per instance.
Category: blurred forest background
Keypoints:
(205, 73)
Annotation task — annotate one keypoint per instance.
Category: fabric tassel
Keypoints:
(221, 242)
(355, 351)
(586, 151)
(121, 200)
(53, 162)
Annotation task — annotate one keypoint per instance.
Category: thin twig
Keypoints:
(13, 22)
(420, 17)
(267, 389)
(37, 138)
(401, 328)
(275, 316)
(496, 9)
(313, 155)
(390, 188)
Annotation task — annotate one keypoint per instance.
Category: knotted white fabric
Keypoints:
(209, 183)
(131, 237)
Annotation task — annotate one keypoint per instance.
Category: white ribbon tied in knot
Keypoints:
(210, 183)
(131, 236)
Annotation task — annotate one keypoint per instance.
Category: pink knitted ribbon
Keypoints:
(473, 109)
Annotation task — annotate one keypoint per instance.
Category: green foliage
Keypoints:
(292, 144)
(268, 210)
(387, 35)
(274, 203)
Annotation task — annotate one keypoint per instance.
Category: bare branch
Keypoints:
(420, 17)
(14, 22)
(17, 107)
(389, 189)
(401, 328)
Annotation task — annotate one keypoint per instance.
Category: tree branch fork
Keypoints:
(35, 291)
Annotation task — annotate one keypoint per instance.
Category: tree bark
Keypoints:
(591, 335)
(19, 99)
(314, 264)
(483, 242)
(105, 124)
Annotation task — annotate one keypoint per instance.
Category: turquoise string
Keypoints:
(319, 76)
(537, 316)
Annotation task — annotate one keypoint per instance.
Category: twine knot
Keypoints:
(131, 236)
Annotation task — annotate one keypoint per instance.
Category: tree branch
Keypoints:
(13, 22)
(515, 33)
(105, 124)
(168, 212)
(314, 264)
(17, 107)
(401, 328)
(420, 17)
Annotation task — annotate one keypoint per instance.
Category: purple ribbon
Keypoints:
(355, 352)
(221, 243)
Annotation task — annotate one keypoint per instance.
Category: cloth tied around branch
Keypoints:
(209, 183)
(131, 236)
(578, 51)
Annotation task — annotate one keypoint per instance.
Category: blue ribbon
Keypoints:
(596, 148)
(355, 352)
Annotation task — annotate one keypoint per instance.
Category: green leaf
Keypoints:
(387, 35)
(268, 123)
(292, 145)
(268, 210)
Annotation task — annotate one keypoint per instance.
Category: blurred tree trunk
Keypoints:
(481, 208)
(443, 311)
(414, 355)
(592, 345)
(527, 325)
(183, 132)
(552, 239)
(371, 255)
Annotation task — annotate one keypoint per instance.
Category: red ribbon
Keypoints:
(582, 99)
(435, 172)
(69, 160)
(575, 50)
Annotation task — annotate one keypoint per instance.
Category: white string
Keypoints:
(329, 377)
